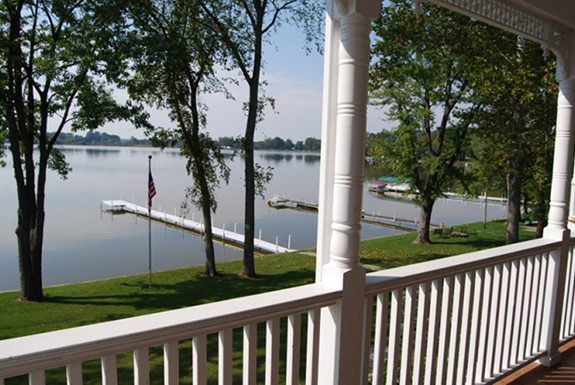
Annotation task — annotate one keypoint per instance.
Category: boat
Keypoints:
(376, 186)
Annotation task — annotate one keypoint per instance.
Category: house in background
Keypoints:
(465, 319)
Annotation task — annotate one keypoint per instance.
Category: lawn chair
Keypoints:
(446, 233)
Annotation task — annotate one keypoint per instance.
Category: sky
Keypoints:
(295, 81)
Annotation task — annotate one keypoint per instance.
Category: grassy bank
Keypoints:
(86, 303)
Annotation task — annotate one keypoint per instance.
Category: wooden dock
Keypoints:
(373, 218)
(223, 235)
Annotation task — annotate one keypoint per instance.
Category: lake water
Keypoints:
(83, 243)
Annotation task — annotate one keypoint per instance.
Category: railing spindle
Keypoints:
(171, 363)
(421, 336)
(455, 327)
(532, 286)
(272, 351)
(407, 336)
(293, 349)
(250, 353)
(466, 322)
(501, 337)
(37, 377)
(476, 321)
(394, 335)
(225, 350)
(444, 323)
(366, 348)
(199, 358)
(380, 342)
(312, 351)
(141, 366)
(483, 366)
(109, 370)
(567, 299)
(538, 343)
(74, 373)
(434, 324)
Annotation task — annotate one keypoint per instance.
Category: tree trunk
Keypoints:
(514, 201)
(208, 235)
(249, 220)
(424, 221)
(29, 233)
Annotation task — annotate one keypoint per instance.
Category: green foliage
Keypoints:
(243, 28)
(57, 57)
(520, 94)
(422, 70)
(173, 61)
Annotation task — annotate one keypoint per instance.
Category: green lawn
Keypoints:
(86, 303)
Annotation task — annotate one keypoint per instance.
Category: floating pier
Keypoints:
(372, 218)
(197, 227)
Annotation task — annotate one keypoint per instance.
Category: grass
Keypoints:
(92, 302)
(99, 301)
(399, 250)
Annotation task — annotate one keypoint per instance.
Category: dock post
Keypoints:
(260, 234)
(277, 243)
(289, 241)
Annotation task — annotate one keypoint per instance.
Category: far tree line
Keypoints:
(95, 138)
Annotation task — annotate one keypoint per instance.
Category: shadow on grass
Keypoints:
(194, 291)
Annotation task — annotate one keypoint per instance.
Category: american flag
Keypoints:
(151, 192)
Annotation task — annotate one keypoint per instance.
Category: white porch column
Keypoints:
(343, 140)
(561, 198)
(561, 192)
(562, 160)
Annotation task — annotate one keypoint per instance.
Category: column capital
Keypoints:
(342, 8)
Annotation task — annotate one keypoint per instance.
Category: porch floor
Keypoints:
(563, 373)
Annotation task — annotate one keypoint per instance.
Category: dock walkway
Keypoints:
(372, 218)
(197, 227)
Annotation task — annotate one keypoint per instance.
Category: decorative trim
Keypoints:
(522, 22)
(501, 14)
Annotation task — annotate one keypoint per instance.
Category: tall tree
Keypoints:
(422, 69)
(243, 27)
(174, 63)
(520, 93)
(55, 56)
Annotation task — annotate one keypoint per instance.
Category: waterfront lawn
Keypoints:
(99, 301)
(92, 302)
(87, 303)
(399, 250)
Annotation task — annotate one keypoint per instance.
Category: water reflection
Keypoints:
(84, 244)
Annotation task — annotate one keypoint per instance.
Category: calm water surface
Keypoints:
(83, 243)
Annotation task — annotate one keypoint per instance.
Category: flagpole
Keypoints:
(149, 221)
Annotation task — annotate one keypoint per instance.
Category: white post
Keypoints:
(341, 189)
(561, 196)
(562, 160)
(329, 109)
(553, 303)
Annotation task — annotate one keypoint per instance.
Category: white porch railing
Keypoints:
(465, 319)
